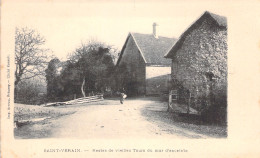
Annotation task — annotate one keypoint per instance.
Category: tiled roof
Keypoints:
(153, 49)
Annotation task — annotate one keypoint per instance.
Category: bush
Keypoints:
(212, 107)
(30, 92)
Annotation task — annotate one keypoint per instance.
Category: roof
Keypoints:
(152, 49)
(221, 21)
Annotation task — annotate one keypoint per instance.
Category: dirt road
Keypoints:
(114, 120)
(136, 118)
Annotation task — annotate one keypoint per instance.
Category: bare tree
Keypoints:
(30, 56)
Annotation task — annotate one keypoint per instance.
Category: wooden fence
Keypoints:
(90, 99)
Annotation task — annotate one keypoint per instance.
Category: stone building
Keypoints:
(199, 62)
(143, 58)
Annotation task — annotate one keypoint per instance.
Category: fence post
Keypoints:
(189, 102)
(170, 101)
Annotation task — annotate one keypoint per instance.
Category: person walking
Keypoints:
(122, 96)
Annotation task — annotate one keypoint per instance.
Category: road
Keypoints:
(110, 119)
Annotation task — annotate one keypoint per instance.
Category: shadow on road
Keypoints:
(156, 112)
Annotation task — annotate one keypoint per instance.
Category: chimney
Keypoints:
(154, 30)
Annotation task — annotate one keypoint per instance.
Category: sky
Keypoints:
(66, 24)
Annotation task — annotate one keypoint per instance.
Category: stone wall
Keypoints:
(200, 65)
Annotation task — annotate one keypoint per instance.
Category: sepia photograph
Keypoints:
(153, 86)
(133, 78)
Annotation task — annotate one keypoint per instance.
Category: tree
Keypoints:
(95, 63)
(30, 56)
(31, 91)
(89, 46)
(51, 74)
(88, 69)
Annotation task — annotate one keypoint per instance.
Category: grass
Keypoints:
(39, 129)
(29, 112)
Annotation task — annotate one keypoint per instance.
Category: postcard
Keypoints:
(131, 78)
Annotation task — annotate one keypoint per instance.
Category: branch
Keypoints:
(28, 52)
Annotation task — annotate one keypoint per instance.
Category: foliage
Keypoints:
(88, 69)
(52, 78)
(30, 92)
